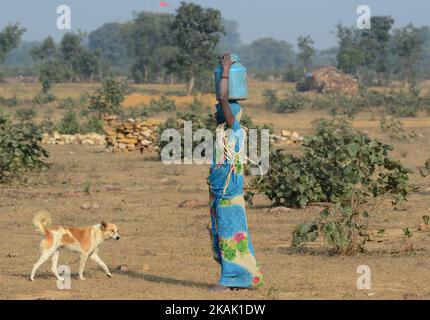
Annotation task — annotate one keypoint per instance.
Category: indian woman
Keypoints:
(231, 244)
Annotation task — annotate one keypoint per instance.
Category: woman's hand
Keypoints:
(226, 63)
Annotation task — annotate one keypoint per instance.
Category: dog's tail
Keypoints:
(42, 220)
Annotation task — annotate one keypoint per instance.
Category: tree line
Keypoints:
(182, 47)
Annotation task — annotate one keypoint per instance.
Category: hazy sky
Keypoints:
(281, 19)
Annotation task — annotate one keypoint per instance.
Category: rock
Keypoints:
(90, 205)
(12, 255)
(285, 133)
(122, 268)
(146, 133)
(146, 268)
(194, 203)
(128, 140)
(279, 210)
(295, 137)
(145, 142)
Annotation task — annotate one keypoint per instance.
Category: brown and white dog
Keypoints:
(86, 241)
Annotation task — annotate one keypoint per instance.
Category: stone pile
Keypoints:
(130, 135)
(91, 139)
(287, 137)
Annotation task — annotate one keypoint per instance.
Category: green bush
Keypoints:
(47, 125)
(43, 98)
(395, 130)
(9, 102)
(20, 150)
(162, 104)
(198, 106)
(93, 124)
(341, 167)
(270, 99)
(25, 114)
(69, 124)
(403, 104)
(292, 102)
(107, 99)
(67, 103)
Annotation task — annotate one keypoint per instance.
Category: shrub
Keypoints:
(69, 124)
(198, 106)
(9, 102)
(93, 124)
(47, 125)
(43, 98)
(20, 150)
(341, 167)
(25, 114)
(293, 102)
(403, 104)
(162, 104)
(394, 129)
(270, 99)
(67, 103)
(107, 99)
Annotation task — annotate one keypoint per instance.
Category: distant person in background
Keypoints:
(231, 244)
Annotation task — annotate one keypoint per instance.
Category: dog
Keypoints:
(86, 241)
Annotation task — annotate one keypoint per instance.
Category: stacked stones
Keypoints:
(90, 139)
(130, 135)
(288, 137)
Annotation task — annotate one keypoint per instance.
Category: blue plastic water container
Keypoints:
(238, 80)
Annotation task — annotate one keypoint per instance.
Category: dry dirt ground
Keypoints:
(164, 251)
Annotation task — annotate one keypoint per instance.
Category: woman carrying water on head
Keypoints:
(231, 244)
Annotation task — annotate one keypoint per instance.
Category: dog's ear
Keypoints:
(103, 225)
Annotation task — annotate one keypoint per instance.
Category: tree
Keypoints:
(306, 51)
(230, 41)
(70, 50)
(407, 46)
(374, 43)
(10, 38)
(89, 64)
(47, 50)
(425, 37)
(148, 42)
(110, 41)
(350, 56)
(267, 54)
(196, 33)
(21, 56)
(83, 62)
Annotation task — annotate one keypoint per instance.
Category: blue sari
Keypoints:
(231, 245)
